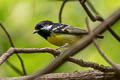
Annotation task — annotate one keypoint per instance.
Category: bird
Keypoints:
(60, 34)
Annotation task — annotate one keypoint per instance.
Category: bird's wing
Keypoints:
(74, 30)
(66, 29)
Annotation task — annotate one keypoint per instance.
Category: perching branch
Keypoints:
(10, 51)
(12, 45)
(54, 53)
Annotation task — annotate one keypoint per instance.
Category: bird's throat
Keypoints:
(44, 34)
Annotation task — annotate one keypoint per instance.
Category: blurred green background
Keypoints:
(20, 16)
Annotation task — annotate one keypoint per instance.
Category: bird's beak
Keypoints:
(35, 31)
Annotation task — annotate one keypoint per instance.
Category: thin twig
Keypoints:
(61, 11)
(12, 45)
(13, 67)
(22, 64)
(92, 8)
(89, 12)
(114, 34)
(87, 25)
(6, 32)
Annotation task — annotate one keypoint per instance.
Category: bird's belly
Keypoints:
(61, 39)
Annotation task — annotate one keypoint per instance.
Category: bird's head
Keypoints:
(43, 28)
(43, 25)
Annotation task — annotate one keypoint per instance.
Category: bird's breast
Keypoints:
(59, 39)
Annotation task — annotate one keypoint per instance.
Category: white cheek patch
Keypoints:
(47, 27)
(55, 28)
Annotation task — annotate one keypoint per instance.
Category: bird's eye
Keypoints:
(38, 27)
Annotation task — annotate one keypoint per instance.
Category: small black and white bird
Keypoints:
(60, 34)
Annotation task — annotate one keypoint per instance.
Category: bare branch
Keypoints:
(6, 55)
(93, 65)
(87, 25)
(89, 13)
(13, 67)
(10, 39)
(114, 34)
(98, 18)
(10, 51)
(83, 75)
(55, 53)
(100, 51)
(12, 45)
(110, 29)
(92, 8)
(22, 64)
(61, 11)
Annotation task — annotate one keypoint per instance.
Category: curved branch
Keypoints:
(13, 67)
(12, 45)
(10, 39)
(61, 10)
